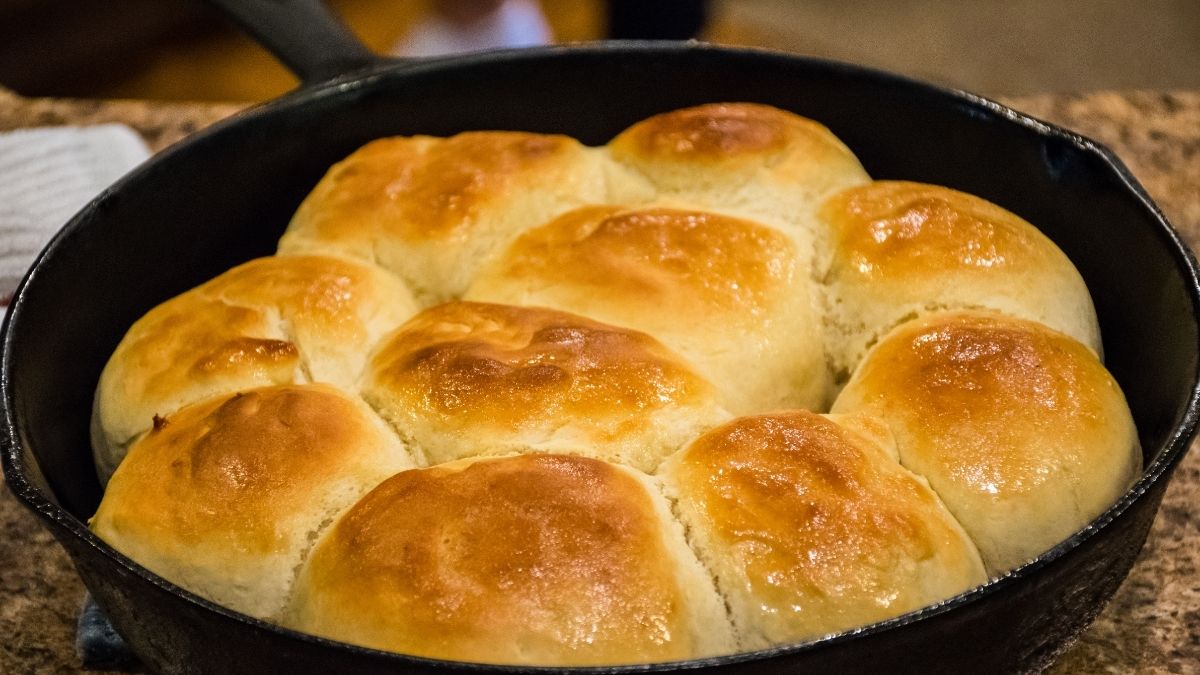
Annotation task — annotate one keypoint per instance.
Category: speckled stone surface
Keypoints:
(1152, 625)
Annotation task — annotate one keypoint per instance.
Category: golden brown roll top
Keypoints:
(269, 321)
(733, 297)
(431, 209)
(725, 257)
(1019, 428)
(535, 559)
(811, 527)
(226, 496)
(743, 158)
(900, 249)
(464, 379)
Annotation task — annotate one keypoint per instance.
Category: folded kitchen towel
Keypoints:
(98, 645)
(48, 174)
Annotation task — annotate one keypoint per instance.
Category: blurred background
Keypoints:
(180, 49)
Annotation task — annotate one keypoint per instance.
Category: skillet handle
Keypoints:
(303, 34)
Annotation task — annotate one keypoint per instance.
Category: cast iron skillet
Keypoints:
(225, 195)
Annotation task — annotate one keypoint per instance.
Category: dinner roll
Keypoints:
(1018, 427)
(811, 526)
(274, 320)
(480, 405)
(225, 497)
(431, 209)
(533, 559)
(733, 297)
(742, 158)
(900, 249)
(465, 378)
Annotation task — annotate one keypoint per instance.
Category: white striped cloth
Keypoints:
(46, 175)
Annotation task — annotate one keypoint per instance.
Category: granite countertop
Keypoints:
(1152, 624)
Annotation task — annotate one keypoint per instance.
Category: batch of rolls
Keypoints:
(504, 398)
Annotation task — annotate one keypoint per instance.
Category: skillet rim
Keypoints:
(17, 472)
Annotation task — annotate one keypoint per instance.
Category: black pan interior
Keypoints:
(226, 196)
